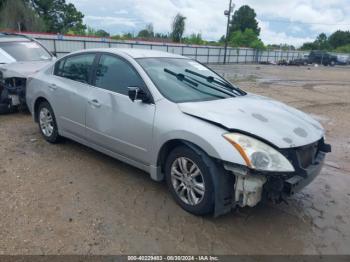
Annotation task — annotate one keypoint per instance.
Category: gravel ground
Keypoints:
(69, 199)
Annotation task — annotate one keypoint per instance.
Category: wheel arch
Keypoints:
(37, 102)
(170, 145)
(213, 144)
(223, 182)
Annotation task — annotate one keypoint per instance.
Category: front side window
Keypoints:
(77, 68)
(25, 51)
(115, 74)
(184, 80)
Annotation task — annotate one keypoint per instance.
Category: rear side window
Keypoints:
(115, 74)
(77, 68)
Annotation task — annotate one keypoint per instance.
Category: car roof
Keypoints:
(133, 52)
(5, 37)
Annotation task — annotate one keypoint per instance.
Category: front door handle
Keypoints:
(53, 87)
(94, 103)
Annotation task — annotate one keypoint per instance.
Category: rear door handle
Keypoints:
(53, 86)
(94, 103)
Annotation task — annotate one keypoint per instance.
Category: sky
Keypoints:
(281, 21)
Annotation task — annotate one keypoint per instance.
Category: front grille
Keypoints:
(303, 157)
(307, 154)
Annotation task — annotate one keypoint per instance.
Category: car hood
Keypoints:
(270, 120)
(22, 69)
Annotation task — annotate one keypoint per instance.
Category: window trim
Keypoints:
(97, 61)
(64, 59)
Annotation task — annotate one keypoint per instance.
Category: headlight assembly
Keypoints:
(259, 155)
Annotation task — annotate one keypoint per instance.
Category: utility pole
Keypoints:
(228, 14)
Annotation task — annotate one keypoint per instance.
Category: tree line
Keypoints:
(54, 16)
(58, 16)
(339, 41)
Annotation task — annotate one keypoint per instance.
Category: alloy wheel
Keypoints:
(46, 122)
(187, 181)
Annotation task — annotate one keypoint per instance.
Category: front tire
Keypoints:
(189, 181)
(47, 123)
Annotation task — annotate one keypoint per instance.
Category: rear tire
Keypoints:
(190, 181)
(47, 123)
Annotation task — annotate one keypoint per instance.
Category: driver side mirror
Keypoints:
(137, 93)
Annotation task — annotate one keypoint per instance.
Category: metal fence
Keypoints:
(61, 45)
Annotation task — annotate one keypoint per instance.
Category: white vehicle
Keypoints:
(20, 56)
(216, 146)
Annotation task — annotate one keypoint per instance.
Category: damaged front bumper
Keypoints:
(277, 188)
(252, 187)
(12, 93)
(299, 181)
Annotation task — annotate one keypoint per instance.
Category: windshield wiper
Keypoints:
(220, 89)
(195, 82)
(194, 85)
(220, 82)
(180, 77)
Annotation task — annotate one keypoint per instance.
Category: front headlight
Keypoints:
(259, 155)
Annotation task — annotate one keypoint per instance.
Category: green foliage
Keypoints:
(258, 44)
(178, 27)
(339, 38)
(116, 37)
(59, 16)
(334, 42)
(126, 36)
(90, 31)
(244, 29)
(222, 39)
(144, 34)
(102, 33)
(18, 15)
(322, 42)
(194, 39)
(248, 38)
(343, 49)
(244, 18)
(2, 2)
(308, 46)
(161, 36)
(213, 43)
(148, 32)
(284, 47)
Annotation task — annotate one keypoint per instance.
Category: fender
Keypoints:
(224, 197)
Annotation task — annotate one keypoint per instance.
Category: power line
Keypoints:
(297, 22)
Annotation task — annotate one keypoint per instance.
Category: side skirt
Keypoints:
(149, 169)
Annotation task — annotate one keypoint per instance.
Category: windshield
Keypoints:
(185, 80)
(24, 51)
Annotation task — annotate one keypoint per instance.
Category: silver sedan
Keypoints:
(216, 146)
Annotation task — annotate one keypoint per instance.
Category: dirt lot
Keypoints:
(68, 199)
